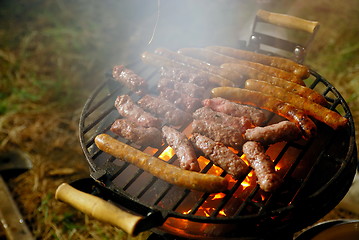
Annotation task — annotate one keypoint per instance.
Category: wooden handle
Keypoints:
(98, 208)
(288, 21)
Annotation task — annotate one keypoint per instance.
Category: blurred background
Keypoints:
(54, 53)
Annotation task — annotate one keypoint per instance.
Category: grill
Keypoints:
(312, 170)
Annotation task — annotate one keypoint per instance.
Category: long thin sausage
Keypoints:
(231, 75)
(296, 89)
(251, 72)
(218, 59)
(323, 114)
(278, 62)
(167, 172)
(159, 61)
(270, 103)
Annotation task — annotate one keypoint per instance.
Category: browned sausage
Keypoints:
(251, 72)
(174, 56)
(129, 79)
(142, 136)
(323, 114)
(160, 61)
(183, 147)
(278, 132)
(278, 62)
(218, 59)
(270, 103)
(296, 89)
(167, 172)
(267, 178)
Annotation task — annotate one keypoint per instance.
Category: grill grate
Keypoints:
(302, 163)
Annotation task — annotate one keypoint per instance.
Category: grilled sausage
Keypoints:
(270, 103)
(160, 61)
(234, 109)
(129, 109)
(129, 79)
(220, 155)
(186, 76)
(164, 109)
(183, 148)
(293, 88)
(323, 114)
(190, 89)
(227, 135)
(234, 76)
(251, 72)
(181, 100)
(218, 59)
(167, 172)
(267, 178)
(239, 123)
(278, 62)
(140, 135)
(278, 132)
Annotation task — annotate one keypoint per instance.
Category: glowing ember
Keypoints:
(167, 154)
(218, 196)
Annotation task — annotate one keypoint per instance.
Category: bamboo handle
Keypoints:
(288, 21)
(98, 208)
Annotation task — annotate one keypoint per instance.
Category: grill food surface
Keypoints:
(219, 154)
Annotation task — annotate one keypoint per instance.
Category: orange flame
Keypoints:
(167, 154)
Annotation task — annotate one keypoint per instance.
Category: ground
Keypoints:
(54, 53)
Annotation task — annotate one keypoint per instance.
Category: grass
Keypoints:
(54, 53)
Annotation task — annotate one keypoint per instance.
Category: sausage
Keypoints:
(251, 72)
(181, 100)
(127, 108)
(270, 103)
(185, 76)
(218, 59)
(278, 62)
(241, 123)
(158, 168)
(140, 135)
(160, 61)
(164, 109)
(220, 155)
(267, 178)
(227, 135)
(323, 114)
(278, 132)
(129, 79)
(219, 104)
(294, 88)
(234, 76)
(183, 148)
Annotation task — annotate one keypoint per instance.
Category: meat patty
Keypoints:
(282, 131)
(267, 178)
(227, 135)
(231, 108)
(129, 109)
(140, 135)
(220, 155)
(183, 147)
(240, 123)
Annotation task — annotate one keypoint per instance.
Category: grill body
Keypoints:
(312, 170)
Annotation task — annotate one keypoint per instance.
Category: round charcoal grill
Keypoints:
(317, 174)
